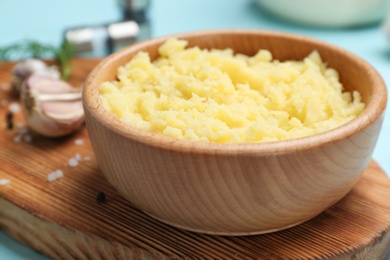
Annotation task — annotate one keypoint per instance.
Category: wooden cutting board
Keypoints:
(62, 219)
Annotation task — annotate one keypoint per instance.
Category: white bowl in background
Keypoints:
(329, 13)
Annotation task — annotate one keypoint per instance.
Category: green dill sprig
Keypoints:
(63, 55)
(33, 49)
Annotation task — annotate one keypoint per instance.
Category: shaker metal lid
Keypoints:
(123, 29)
(134, 5)
(81, 38)
(109, 36)
(123, 33)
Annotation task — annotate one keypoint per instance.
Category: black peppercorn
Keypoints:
(9, 116)
(10, 125)
(9, 120)
(101, 197)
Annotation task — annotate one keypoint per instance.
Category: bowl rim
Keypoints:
(93, 106)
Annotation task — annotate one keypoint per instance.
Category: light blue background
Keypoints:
(45, 20)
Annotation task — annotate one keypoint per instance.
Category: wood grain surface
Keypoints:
(63, 220)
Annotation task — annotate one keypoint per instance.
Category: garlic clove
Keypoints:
(44, 84)
(26, 68)
(51, 107)
(63, 112)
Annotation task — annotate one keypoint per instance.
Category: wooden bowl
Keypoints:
(237, 189)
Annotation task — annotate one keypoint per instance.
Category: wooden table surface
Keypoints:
(62, 219)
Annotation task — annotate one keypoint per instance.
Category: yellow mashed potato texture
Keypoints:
(222, 97)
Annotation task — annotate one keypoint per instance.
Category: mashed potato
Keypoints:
(218, 96)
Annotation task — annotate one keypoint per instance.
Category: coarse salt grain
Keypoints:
(23, 130)
(55, 175)
(87, 158)
(59, 173)
(27, 138)
(4, 181)
(14, 107)
(17, 138)
(77, 156)
(73, 162)
(22, 134)
(79, 142)
(51, 177)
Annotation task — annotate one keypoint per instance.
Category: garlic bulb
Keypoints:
(51, 107)
(26, 68)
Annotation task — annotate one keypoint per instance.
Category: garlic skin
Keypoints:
(24, 69)
(51, 107)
